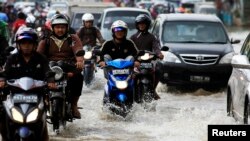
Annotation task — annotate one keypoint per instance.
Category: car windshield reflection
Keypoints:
(193, 32)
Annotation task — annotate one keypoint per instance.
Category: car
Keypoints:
(238, 89)
(95, 8)
(126, 14)
(200, 50)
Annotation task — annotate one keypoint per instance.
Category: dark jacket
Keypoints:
(88, 36)
(36, 68)
(121, 50)
(146, 41)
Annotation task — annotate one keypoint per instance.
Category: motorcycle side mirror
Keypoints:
(9, 49)
(50, 74)
(164, 48)
(80, 53)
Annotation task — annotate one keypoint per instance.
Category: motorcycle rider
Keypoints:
(119, 46)
(146, 41)
(62, 46)
(89, 33)
(27, 62)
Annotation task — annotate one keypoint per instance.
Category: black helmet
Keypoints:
(21, 15)
(27, 33)
(143, 18)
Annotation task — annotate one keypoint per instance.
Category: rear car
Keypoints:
(200, 51)
(126, 14)
(95, 8)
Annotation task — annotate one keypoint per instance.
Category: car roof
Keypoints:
(189, 17)
(125, 9)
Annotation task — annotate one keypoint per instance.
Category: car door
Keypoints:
(241, 79)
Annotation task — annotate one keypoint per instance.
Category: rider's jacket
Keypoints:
(88, 36)
(146, 41)
(17, 67)
(118, 50)
(60, 49)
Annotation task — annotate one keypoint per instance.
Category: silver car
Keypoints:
(238, 91)
(126, 14)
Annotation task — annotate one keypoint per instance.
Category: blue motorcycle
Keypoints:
(119, 89)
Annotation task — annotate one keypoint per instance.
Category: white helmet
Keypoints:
(119, 23)
(87, 17)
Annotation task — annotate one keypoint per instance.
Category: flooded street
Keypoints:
(174, 117)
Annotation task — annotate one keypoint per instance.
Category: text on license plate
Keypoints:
(194, 78)
(25, 98)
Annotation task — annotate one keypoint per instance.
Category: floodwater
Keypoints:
(176, 116)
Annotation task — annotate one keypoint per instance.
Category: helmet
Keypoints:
(59, 19)
(118, 26)
(21, 15)
(27, 33)
(87, 17)
(143, 18)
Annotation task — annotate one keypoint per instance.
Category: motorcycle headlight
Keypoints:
(146, 56)
(58, 72)
(17, 116)
(170, 57)
(226, 59)
(87, 55)
(32, 116)
(121, 84)
(39, 29)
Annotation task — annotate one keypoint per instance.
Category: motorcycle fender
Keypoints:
(56, 95)
(145, 81)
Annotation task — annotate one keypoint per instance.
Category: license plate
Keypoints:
(146, 65)
(122, 71)
(199, 78)
(18, 98)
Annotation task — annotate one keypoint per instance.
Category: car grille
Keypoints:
(199, 59)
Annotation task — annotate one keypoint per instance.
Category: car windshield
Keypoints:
(193, 32)
(126, 16)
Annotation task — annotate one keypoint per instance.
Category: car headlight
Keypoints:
(170, 57)
(121, 84)
(226, 59)
(17, 116)
(32, 116)
(87, 55)
(58, 72)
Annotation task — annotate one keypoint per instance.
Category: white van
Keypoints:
(126, 14)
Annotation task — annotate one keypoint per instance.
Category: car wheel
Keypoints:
(246, 113)
(229, 104)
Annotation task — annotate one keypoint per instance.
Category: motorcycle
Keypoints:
(89, 64)
(119, 89)
(24, 116)
(59, 107)
(145, 79)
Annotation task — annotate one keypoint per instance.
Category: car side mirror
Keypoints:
(98, 24)
(164, 48)
(235, 41)
(240, 61)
